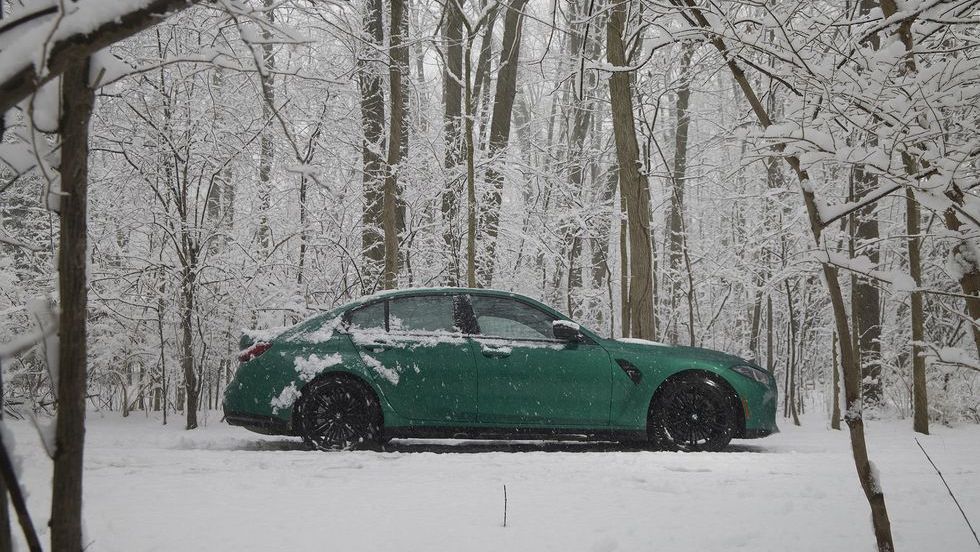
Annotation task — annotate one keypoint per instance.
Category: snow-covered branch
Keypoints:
(36, 52)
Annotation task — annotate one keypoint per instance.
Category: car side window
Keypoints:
(371, 317)
(425, 313)
(511, 319)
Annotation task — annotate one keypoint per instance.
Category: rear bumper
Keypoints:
(266, 425)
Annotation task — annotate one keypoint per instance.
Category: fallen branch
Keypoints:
(17, 496)
(957, 502)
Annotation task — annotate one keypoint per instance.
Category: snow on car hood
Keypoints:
(637, 341)
(646, 346)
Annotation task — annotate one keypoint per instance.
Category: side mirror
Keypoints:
(566, 330)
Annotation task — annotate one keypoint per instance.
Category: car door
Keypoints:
(419, 357)
(527, 377)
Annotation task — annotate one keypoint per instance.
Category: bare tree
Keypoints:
(77, 102)
(372, 102)
(452, 97)
(632, 181)
(470, 31)
(865, 299)
(503, 107)
(267, 144)
(398, 67)
(676, 219)
(852, 377)
(920, 399)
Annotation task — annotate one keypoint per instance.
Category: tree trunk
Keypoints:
(481, 90)
(503, 107)
(600, 241)
(187, 284)
(774, 179)
(755, 319)
(6, 545)
(966, 258)
(221, 199)
(574, 277)
(633, 183)
(920, 401)
(408, 99)
(835, 408)
(372, 102)
(66, 497)
(791, 346)
(624, 268)
(470, 169)
(770, 361)
(581, 43)
(267, 147)
(397, 68)
(303, 235)
(677, 241)
(452, 95)
(865, 300)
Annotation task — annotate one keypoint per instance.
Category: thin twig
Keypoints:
(957, 502)
(505, 506)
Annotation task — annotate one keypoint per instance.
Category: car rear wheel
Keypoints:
(693, 414)
(338, 413)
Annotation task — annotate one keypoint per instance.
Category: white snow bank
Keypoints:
(152, 487)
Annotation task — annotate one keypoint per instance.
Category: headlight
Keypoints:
(753, 373)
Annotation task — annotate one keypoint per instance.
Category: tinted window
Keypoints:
(507, 318)
(432, 313)
(369, 317)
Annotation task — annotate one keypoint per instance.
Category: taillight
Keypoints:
(254, 351)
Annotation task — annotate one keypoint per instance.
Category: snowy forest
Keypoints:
(792, 182)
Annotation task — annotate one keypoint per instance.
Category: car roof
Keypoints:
(319, 319)
(403, 292)
(412, 292)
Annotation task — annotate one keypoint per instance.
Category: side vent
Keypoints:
(632, 372)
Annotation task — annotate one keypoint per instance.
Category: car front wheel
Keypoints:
(337, 413)
(693, 414)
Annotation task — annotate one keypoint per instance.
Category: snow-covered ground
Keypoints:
(153, 487)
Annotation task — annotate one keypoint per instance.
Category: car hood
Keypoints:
(645, 348)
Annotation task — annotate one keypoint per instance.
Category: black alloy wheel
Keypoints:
(693, 414)
(337, 413)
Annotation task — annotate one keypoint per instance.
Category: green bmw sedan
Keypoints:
(477, 363)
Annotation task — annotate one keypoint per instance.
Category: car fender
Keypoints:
(631, 402)
(279, 376)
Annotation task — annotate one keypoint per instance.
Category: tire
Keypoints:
(338, 413)
(693, 414)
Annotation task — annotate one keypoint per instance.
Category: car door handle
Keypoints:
(491, 352)
(376, 347)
